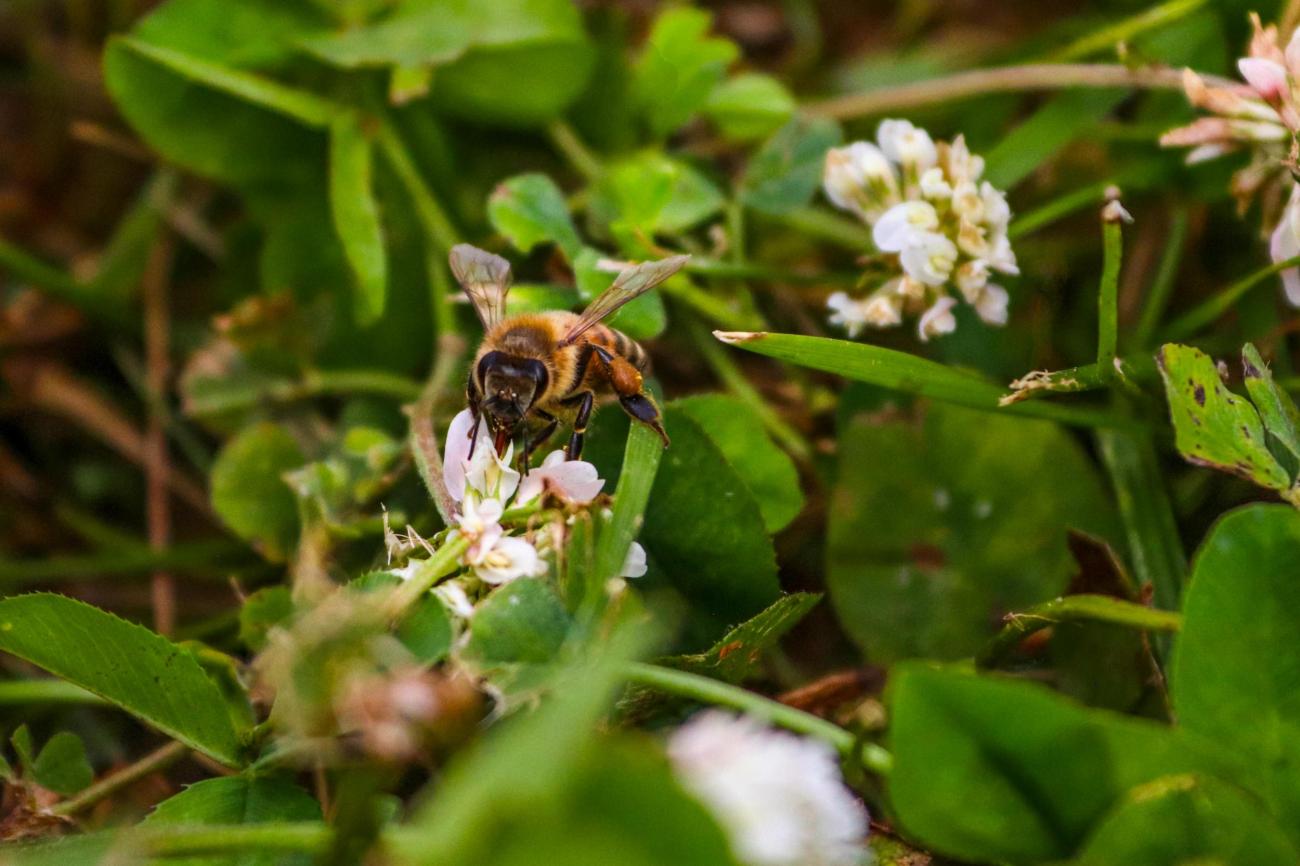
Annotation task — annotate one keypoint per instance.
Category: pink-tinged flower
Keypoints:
(1285, 244)
(485, 474)
(480, 522)
(573, 481)
(634, 564)
(938, 320)
(779, 797)
(1266, 77)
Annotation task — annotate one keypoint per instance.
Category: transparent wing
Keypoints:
(485, 278)
(631, 283)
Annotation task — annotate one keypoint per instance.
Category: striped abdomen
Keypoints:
(620, 344)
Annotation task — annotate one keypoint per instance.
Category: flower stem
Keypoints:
(47, 691)
(712, 691)
(829, 227)
(1004, 79)
(151, 763)
(1072, 608)
(1215, 306)
(568, 143)
(1108, 298)
(434, 569)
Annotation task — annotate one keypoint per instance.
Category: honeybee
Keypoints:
(533, 370)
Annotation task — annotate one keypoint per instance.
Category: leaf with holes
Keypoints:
(1213, 426)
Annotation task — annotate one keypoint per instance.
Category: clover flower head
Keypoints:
(941, 228)
(779, 797)
(485, 474)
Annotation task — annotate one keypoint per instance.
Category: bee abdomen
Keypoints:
(630, 349)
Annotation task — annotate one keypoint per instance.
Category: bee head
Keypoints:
(510, 385)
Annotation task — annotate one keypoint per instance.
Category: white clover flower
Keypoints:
(907, 145)
(634, 564)
(859, 178)
(1285, 244)
(574, 481)
(938, 320)
(780, 798)
(508, 558)
(902, 223)
(945, 232)
(929, 258)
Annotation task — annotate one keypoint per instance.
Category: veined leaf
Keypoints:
(126, 664)
(786, 171)
(1277, 410)
(529, 209)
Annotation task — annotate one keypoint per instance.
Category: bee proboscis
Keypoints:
(536, 369)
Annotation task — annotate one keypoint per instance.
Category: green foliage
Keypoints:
(425, 630)
(1216, 428)
(1238, 660)
(787, 169)
(523, 621)
(128, 665)
(356, 214)
(948, 522)
(61, 764)
(749, 106)
(529, 209)
(249, 491)
(237, 800)
(679, 68)
(1026, 773)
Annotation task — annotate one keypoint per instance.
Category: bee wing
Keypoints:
(485, 278)
(631, 283)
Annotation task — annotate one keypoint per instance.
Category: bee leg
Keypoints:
(643, 409)
(530, 444)
(585, 401)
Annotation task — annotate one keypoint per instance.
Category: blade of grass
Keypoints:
(1163, 285)
(1155, 550)
(15, 693)
(1057, 208)
(1221, 302)
(640, 464)
(909, 373)
(1106, 38)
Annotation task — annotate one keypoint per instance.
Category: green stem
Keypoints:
(25, 267)
(1212, 308)
(712, 691)
(423, 437)
(1108, 298)
(314, 383)
(151, 763)
(445, 561)
(1073, 608)
(573, 149)
(22, 692)
(739, 385)
(826, 226)
(194, 839)
(1163, 285)
(743, 270)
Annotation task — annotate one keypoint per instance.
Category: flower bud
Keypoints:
(859, 178)
(938, 320)
(929, 258)
(901, 223)
(906, 144)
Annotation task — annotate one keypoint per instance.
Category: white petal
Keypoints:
(992, 305)
(906, 144)
(509, 559)
(634, 564)
(934, 185)
(455, 453)
(574, 481)
(897, 226)
(937, 320)
(1266, 77)
(1285, 244)
(929, 258)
